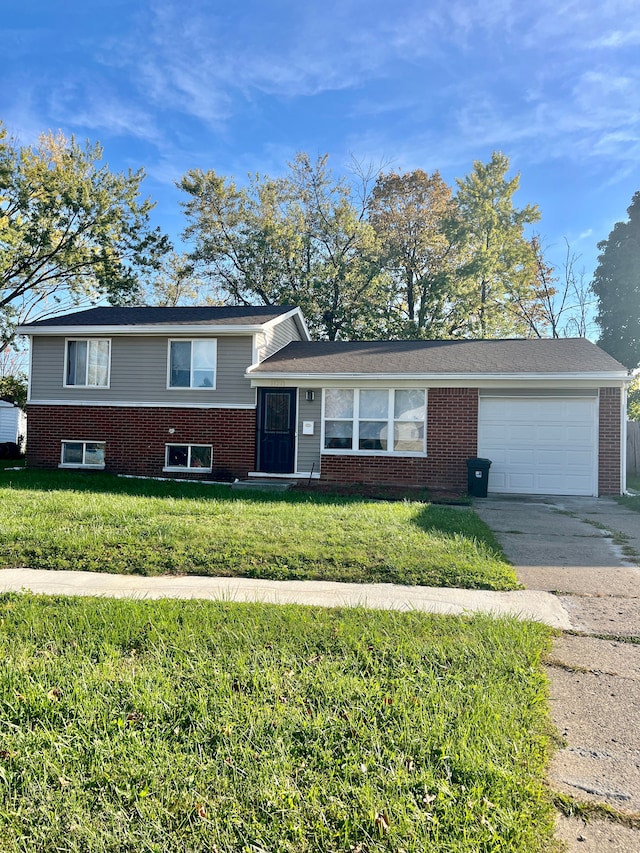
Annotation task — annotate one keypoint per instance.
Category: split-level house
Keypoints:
(232, 392)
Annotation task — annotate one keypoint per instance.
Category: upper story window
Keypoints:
(382, 420)
(87, 362)
(192, 363)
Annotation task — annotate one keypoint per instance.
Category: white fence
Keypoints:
(633, 447)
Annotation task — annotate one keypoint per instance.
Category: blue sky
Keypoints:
(437, 84)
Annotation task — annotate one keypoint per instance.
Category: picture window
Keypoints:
(383, 420)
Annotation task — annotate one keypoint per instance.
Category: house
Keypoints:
(226, 392)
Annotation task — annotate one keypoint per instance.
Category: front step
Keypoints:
(256, 484)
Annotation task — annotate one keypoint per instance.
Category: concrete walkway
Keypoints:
(585, 550)
(541, 606)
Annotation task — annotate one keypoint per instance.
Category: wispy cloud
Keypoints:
(441, 81)
(617, 39)
(84, 105)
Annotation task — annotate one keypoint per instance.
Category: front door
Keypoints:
(276, 430)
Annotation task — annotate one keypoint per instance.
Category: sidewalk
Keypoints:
(585, 551)
(537, 605)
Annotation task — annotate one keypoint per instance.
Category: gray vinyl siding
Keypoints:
(279, 336)
(139, 373)
(309, 445)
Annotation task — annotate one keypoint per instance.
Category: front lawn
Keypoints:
(60, 520)
(631, 501)
(199, 726)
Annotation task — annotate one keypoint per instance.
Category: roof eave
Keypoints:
(596, 376)
(144, 329)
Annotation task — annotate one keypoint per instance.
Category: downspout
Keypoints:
(30, 368)
(623, 437)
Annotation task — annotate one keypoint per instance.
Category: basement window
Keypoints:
(82, 454)
(180, 457)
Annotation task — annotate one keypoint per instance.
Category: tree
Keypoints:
(14, 389)
(174, 283)
(633, 402)
(13, 378)
(562, 298)
(497, 270)
(409, 213)
(71, 231)
(298, 239)
(616, 283)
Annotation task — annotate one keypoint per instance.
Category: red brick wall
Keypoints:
(136, 437)
(452, 437)
(609, 468)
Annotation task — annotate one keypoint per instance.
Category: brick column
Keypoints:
(609, 442)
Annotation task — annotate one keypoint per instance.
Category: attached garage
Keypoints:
(540, 445)
(548, 413)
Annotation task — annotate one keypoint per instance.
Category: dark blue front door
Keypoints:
(276, 430)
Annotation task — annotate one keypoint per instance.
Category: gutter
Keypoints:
(305, 378)
(134, 330)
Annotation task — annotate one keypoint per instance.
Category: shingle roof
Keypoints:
(227, 315)
(552, 356)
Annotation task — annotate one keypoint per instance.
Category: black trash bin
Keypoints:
(478, 477)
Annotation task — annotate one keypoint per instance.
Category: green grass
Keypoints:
(631, 501)
(11, 463)
(182, 726)
(56, 520)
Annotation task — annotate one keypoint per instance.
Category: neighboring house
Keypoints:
(13, 423)
(239, 391)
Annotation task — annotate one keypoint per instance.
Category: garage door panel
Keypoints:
(519, 482)
(579, 458)
(517, 432)
(498, 480)
(551, 459)
(550, 433)
(570, 485)
(525, 458)
(582, 434)
(540, 446)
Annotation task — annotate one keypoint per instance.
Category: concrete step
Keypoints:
(256, 484)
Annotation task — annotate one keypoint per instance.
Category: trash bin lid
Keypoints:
(478, 462)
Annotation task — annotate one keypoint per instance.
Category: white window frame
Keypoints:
(88, 341)
(355, 421)
(82, 464)
(192, 387)
(188, 466)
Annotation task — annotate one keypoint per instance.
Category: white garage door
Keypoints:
(540, 446)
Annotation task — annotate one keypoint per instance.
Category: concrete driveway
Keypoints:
(577, 548)
(587, 552)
